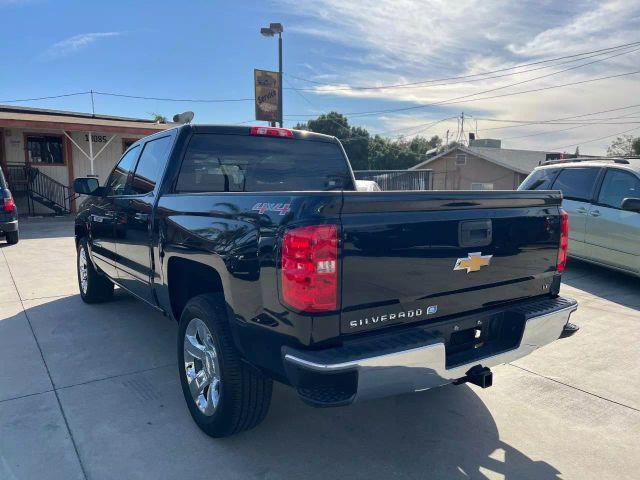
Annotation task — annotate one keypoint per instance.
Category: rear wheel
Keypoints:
(94, 287)
(12, 237)
(224, 395)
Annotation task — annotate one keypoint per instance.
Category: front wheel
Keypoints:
(94, 287)
(224, 394)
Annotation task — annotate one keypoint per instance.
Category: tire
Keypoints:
(12, 237)
(237, 397)
(97, 288)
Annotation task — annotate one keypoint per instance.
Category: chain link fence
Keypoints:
(398, 179)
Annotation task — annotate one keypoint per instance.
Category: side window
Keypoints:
(576, 183)
(617, 186)
(539, 179)
(150, 166)
(117, 181)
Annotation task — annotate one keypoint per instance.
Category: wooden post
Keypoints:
(68, 155)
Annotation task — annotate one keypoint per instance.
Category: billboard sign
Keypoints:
(266, 95)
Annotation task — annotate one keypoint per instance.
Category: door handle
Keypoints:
(141, 216)
(595, 213)
(581, 210)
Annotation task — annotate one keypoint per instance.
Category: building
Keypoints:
(487, 167)
(42, 151)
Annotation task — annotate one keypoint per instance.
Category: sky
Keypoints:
(208, 49)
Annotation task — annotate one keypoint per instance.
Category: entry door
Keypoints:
(612, 233)
(103, 217)
(135, 260)
(577, 185)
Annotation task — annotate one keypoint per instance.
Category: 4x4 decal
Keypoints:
(281, 208)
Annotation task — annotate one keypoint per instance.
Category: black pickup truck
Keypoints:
(255, 240)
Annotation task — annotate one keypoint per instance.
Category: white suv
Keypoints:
(602, 198)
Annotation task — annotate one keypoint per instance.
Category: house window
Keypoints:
(461, 159)
(482, 186)
(45, 149)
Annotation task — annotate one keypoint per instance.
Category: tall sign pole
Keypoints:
(270, 31)
(280, 77)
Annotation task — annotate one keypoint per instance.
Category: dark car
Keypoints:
(8, 213)
(257, 242)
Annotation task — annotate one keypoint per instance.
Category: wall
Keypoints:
(449, 176)
(102, 164)
(80, 164)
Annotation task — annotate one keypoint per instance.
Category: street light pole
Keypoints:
(270, 31)
(280, 75)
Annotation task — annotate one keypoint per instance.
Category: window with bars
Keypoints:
(45, 149)
(461, 159)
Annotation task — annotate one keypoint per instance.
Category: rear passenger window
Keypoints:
(576, 183)
(150, 166)
(539, 179)
(617, 186)
(235, 163)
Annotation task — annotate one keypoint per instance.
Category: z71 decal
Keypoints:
(281, 208)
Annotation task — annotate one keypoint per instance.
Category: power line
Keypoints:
(468, 97)
(534, 122)
(44, 98)
(597, 139)
(462, 77)
(166, 99)
(456, 100)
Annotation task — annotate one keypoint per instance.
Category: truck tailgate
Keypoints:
(412, 256)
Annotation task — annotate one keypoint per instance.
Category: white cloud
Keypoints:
(377, 43)
(73, 44)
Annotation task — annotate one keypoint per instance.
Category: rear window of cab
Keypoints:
(234, 163)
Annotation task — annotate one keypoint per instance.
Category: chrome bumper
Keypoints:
(424, 367)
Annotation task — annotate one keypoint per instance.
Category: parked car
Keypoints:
(256, 241)
(8, 213)
(602, 198)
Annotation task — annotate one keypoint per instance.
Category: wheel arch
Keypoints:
(187, 278)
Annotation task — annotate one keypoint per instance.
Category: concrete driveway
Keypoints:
(91, 391)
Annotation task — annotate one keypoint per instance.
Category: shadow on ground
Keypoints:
(47, 227)
(114, 367)
(611, 285)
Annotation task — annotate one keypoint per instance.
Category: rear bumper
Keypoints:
(10, 226)
(395, 365)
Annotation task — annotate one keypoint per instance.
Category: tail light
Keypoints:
(8, 204)
(564, 241)
(309, 268)
(272, 132)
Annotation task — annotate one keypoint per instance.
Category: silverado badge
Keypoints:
(473, 262)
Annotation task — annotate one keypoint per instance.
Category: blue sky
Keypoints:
(209, 50)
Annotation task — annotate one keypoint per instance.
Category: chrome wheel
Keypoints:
(83, 270)
(201, 366)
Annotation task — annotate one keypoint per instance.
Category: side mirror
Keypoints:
(631, 204)
(86, 186)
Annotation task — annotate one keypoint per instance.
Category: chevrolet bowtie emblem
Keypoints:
(474, 262)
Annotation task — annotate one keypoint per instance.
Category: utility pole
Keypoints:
(93, 106)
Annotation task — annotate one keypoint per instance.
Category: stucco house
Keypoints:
(42, 151)
(481, 167)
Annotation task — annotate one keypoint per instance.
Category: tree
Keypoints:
(371, 153)
(623, 146)
(354, 139)
(577, 154)
(158, 118)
